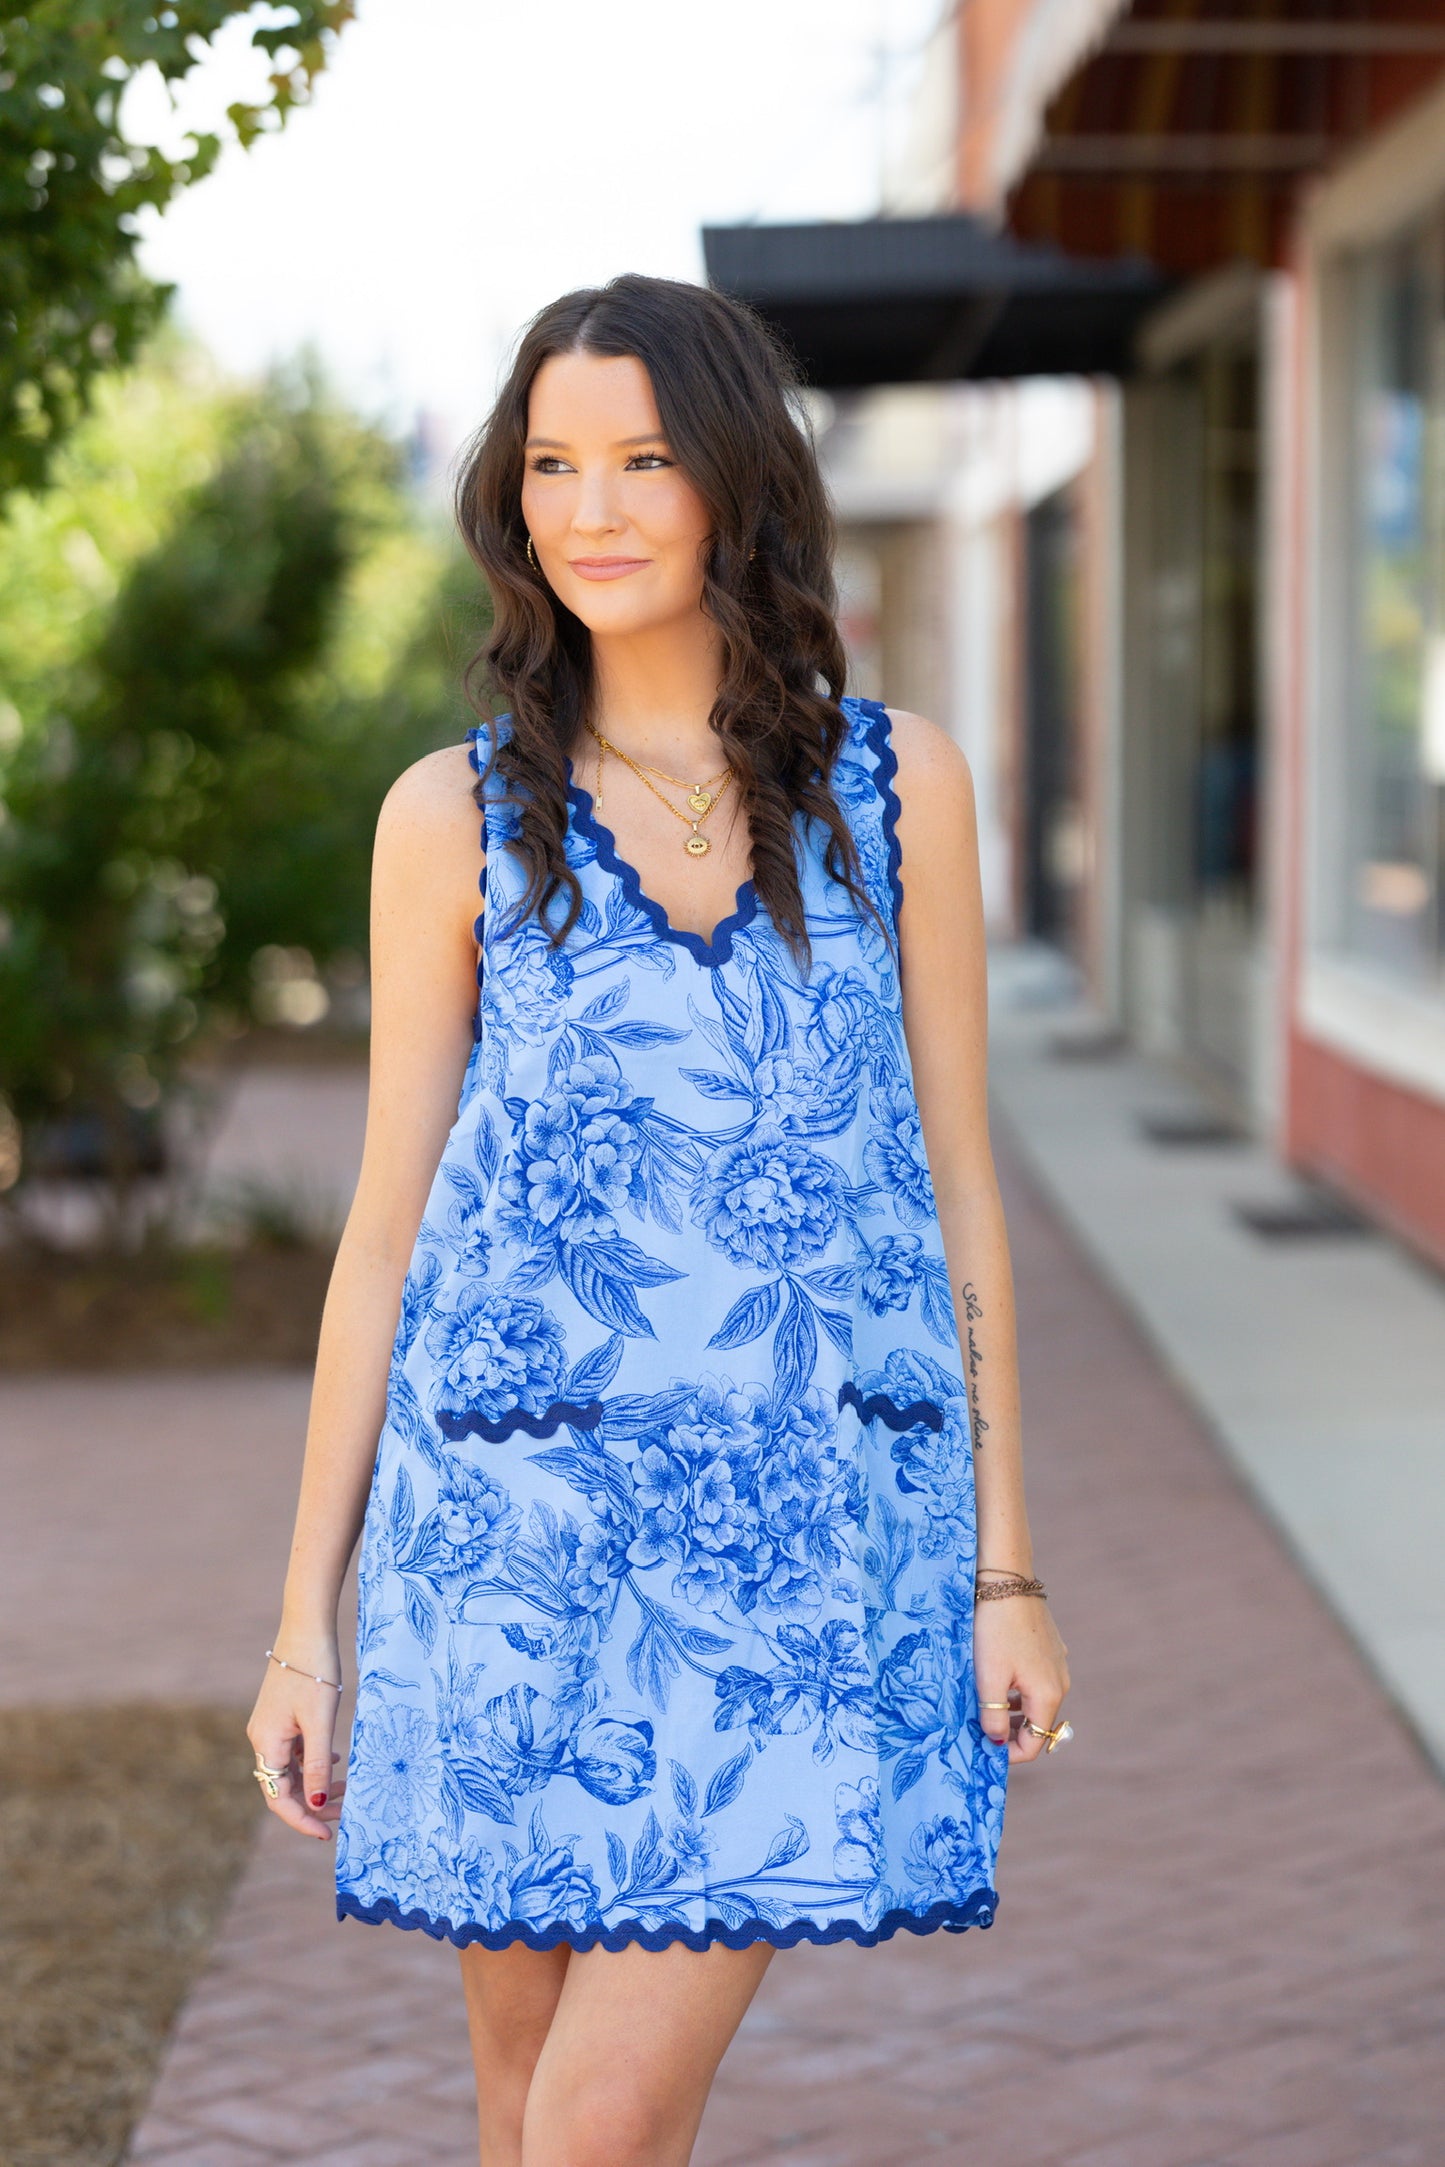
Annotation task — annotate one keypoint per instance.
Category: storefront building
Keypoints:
(1193, 637)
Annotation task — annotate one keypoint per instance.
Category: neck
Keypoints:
(653, 692)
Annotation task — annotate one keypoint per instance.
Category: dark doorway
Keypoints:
(1053, 807)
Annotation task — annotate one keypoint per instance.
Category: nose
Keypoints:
(595, 511)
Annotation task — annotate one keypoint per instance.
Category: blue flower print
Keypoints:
(467, 1532)
(750, 1506)
(920, 1692)
(549, 1885)
(942, 1855)
(576, 1162)
(613, 1759)
(843, 1021)
(932, 1457)
(895, 1157)
(494, 1353)
(803, 1096)
(891, 1273)
(523, 998)
(769, 1201)
(819, 1682)
(666, 1596)
(858, 1853)
(394, 1767)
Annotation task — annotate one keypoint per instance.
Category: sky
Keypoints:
(463, 161)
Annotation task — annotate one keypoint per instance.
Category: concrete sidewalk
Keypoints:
(1220, 1943)
(1318, 1361)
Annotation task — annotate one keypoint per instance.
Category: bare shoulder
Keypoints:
(934, 784)
(430, 808)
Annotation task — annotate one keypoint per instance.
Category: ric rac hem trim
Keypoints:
(976, 1909)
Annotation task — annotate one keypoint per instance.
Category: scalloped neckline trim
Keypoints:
(712, 952)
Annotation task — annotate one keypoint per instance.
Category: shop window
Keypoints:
(1396, 773)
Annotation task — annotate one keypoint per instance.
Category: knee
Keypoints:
(599, 2119)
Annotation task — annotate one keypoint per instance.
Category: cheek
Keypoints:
(674, 514)
(542, 509)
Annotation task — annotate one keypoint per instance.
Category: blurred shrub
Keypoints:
(189, 796)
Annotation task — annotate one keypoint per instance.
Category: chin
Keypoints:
(606, 612)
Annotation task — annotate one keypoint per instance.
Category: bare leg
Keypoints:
(631, 2054)
(512, 1996)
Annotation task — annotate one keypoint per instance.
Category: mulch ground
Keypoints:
(178, 1311)
(122, 1831)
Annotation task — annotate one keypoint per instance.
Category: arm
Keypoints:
(423, 983)
(944, 962)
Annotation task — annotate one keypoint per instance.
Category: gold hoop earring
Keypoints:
(532, 556)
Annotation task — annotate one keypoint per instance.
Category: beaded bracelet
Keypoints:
(282, 1664)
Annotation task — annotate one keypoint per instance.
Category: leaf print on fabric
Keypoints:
(665, 1619)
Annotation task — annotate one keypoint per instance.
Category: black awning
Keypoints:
(929, 300)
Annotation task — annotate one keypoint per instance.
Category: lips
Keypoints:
(607, 567)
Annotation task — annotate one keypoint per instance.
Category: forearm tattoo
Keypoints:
(972, 1311)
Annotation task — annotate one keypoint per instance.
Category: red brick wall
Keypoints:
(1377, 1142)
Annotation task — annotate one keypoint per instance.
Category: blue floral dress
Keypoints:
(667, 1575)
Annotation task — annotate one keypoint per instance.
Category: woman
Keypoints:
(668, 1654)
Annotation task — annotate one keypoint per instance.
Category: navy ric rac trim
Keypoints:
(577, 1415)
(976, 1910)
(455, 1424)
(713, 952)
(879, 740)
(478, 927)
(878, 1407)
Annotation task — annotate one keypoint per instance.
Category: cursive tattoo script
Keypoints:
(973, 1310)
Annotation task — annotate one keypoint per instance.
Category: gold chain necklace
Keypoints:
(700, 796)
(696, 846)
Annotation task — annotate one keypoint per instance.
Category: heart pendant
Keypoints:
(697, 846)
(701, 801)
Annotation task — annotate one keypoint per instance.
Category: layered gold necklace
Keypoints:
(701, 797)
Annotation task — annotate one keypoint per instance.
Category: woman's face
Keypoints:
(618, 530)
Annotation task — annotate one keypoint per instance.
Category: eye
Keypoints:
(646, 459)
(547, 462)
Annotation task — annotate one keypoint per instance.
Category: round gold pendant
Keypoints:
(700, 801)
(697, 846)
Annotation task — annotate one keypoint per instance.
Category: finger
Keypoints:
(317, 1762)
(1040, 1714)
(283, 1754)
(998, 1708)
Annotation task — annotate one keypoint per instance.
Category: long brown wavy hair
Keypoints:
(727, 400)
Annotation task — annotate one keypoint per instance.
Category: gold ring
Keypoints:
(999, 1704)
(269, 1778)
(1057, 1737)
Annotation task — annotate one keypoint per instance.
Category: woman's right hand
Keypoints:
(292, 1728)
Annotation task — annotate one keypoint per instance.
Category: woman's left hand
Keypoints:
(1020, 1659)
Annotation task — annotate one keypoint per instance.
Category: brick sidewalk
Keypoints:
(1221, 1936)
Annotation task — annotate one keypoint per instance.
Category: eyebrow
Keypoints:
(552, 443)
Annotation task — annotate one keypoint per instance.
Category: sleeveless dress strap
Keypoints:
(873, 809)
(480, 739)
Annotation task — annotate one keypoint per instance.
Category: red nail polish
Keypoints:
(318, 1798)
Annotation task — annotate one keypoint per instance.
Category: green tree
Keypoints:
(72, 299)
(206, 780)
